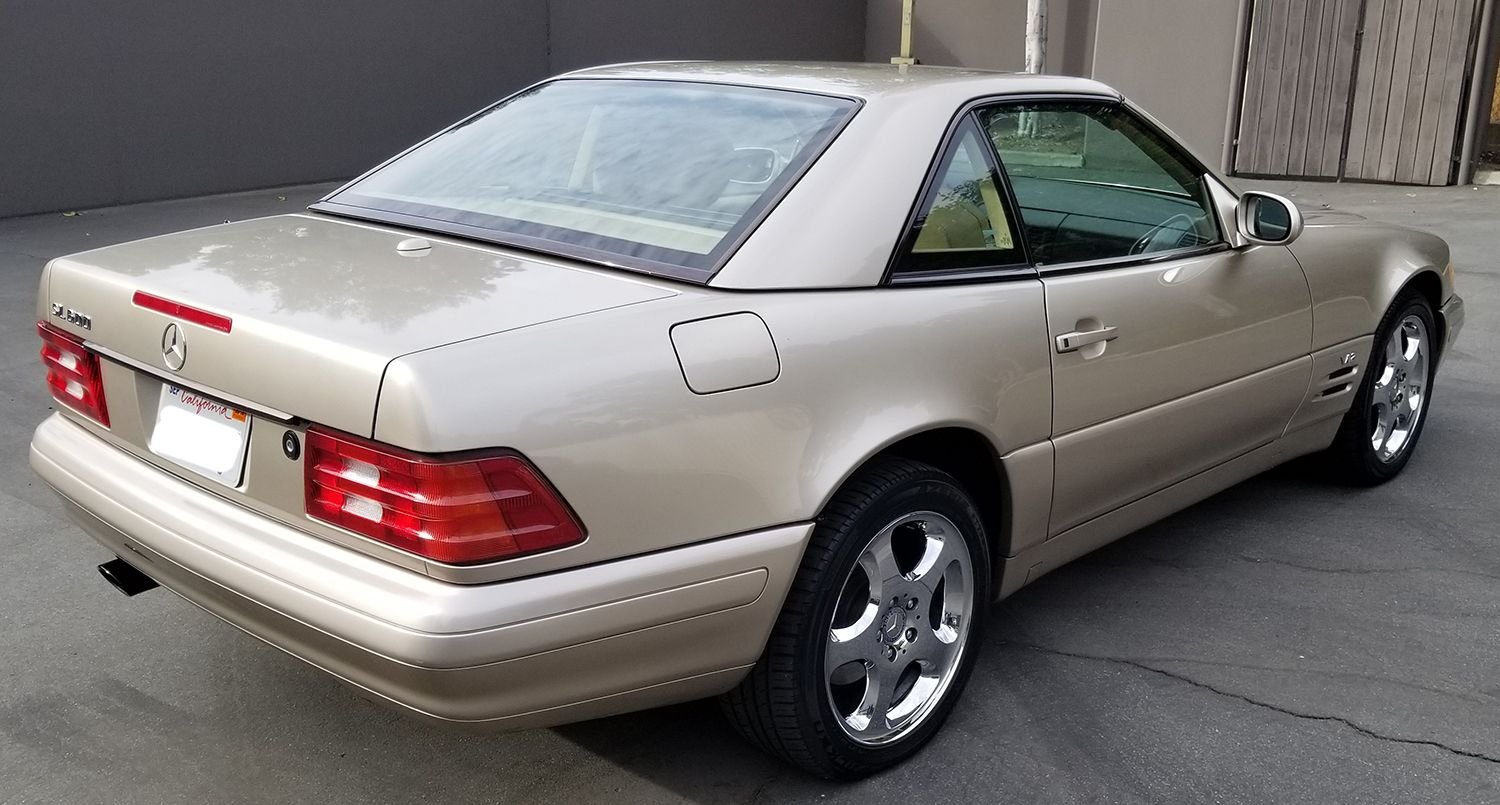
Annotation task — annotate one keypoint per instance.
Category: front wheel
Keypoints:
(1381, 429)
(878, 632)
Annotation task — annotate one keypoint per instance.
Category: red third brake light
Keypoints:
(212, 321)
(73, 373)
(451, 511)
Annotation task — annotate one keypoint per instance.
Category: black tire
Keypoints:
(783, 706)
(1353, 457)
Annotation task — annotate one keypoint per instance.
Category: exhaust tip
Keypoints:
(125, 578)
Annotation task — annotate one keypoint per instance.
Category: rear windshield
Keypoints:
(659, 176)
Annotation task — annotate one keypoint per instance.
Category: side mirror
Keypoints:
(754, 165)
(1267, 219)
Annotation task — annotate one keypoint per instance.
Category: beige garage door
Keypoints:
(1356, 89)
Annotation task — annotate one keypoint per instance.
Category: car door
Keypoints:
(1171, 352)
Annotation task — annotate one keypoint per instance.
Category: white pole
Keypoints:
(1036, 54)
(906, 13)
(1036, 36)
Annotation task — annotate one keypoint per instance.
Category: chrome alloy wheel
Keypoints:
(899, 628)
(1398, 399)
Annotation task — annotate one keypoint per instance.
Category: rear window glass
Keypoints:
(656, 175)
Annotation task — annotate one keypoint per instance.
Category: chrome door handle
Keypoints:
(1071, 342)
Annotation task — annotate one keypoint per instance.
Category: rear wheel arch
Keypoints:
(970, 457)
(795, 702)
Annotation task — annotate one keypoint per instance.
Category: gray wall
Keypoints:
(1174, 57)
(989, 34)
(110, 102)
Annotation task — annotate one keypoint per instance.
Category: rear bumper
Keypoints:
(1453, 321)
(609, 638)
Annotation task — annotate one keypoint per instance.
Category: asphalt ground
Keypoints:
(1285, 641)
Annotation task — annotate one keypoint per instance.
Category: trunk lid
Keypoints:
(319, 306)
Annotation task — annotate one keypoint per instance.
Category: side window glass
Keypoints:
(1093, 183)
(962, 222)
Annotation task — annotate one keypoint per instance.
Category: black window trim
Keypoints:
(1025, 271)
(1150, 127)
(703, 276)
(897, 273)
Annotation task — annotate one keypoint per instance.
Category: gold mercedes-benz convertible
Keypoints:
(665, 381)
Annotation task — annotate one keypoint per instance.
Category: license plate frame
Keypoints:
(201, 434)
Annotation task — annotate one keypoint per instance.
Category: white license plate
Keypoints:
(201, 434)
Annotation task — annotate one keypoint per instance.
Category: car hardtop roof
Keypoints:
(850, 79)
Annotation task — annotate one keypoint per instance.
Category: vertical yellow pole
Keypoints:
(905, 57)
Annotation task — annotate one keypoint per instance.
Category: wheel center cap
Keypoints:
(892, 625)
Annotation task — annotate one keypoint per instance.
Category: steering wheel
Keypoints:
(1165, 235)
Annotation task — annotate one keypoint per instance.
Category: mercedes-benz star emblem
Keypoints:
(174, 347)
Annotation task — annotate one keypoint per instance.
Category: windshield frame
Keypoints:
(727, 246)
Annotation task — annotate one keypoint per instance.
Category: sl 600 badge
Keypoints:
(72, 316)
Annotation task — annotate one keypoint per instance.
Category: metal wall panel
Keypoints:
(1296, 92)
(1399, 119)
(1413, 76)
(105, 102)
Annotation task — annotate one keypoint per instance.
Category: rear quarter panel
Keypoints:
(600, 405)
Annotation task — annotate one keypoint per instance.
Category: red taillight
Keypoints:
(456, 512)
(213, 321)
(73, 373)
